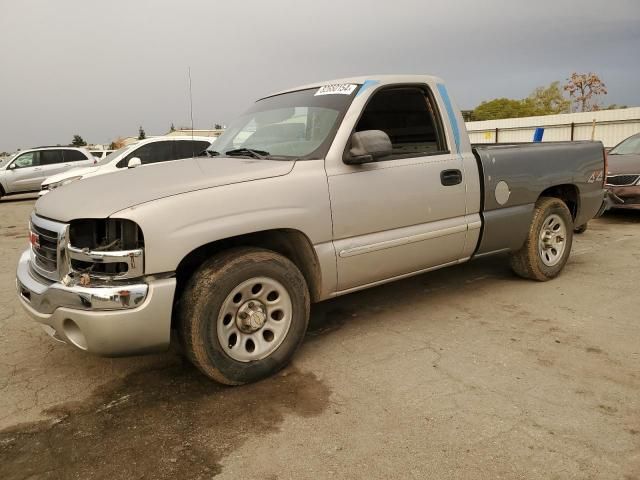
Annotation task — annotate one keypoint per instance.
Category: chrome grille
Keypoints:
(45, 246)
(46, 250)
(622, 180)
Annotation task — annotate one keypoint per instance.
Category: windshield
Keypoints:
(629, 146)
(292, 125)
(112, 155)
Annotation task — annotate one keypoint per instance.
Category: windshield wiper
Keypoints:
(261, 154)
(212, 153)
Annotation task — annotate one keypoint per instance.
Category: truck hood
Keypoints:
(74, 172)
(620, 164)
(101, 196)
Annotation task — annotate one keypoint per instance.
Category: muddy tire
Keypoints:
(581, 229)
(548, 245)
(243, 314)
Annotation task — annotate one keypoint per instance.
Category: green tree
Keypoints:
(141, 134)
(217, 126)
(615, 106)
(78, 141)
(549, 100)
(542, 101)
(172, 128)
(503, 108)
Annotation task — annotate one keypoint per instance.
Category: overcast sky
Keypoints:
(101, 69)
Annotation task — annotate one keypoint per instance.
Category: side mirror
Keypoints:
(368, 146)
(134, 162)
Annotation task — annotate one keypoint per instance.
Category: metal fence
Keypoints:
(608, 126)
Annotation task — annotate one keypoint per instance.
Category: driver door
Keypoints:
(25, 172)
(400, 214)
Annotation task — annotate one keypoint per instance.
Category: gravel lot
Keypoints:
(467, 372)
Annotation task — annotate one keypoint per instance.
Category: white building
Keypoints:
(608, 126)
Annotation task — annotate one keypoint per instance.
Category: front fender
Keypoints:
(175, 226)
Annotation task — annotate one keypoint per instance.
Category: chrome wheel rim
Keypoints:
(254, 319)
(553, 240)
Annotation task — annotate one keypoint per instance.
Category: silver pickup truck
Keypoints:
(314, 192)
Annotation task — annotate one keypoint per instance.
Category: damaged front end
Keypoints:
(85, 282)
(105, 250)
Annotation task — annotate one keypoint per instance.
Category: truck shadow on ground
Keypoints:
(169, 422)
(621, 216)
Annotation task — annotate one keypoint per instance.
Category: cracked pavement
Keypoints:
(466, 372)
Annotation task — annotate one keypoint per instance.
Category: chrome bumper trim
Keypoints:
(45, 296)
(132, 258)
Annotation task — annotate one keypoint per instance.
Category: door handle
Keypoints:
(37, 169)
(450, 177)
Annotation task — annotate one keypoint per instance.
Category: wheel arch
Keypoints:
(292, 244)
(568, 193)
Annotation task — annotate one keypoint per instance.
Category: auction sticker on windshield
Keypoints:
(336, 89)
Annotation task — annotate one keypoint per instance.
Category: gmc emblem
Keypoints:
(34, 239)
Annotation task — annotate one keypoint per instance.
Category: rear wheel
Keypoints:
(548, 245)
(243, 315)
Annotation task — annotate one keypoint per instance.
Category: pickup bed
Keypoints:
(314, 192)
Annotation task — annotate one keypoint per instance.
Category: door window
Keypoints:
(50, 157)
(150, 153)
(189, 148)
(74, 156)
(409, 116)
(29, 159)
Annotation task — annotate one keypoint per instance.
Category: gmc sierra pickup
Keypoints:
(314, 192)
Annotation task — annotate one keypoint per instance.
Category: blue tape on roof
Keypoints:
(367, 84)
(451, 114)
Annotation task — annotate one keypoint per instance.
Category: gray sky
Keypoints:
(100, 69)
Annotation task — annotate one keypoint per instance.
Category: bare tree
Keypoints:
(583, 88)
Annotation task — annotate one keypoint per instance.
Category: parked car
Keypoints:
(314, 192)
(100, 154)
(623, 174)
(27, 169)
(144, 152)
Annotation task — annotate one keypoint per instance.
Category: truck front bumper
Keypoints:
(109, 320)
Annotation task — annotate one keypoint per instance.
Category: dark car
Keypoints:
(623, 173)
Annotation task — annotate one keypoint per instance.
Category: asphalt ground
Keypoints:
(466, 372)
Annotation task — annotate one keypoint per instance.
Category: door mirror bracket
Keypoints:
(368, 146)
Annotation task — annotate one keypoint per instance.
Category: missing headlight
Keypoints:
(110, 235)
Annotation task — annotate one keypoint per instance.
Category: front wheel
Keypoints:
(243, 314)
(581, 229)
(548, 244)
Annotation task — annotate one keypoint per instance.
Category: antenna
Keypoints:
(191, 111)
